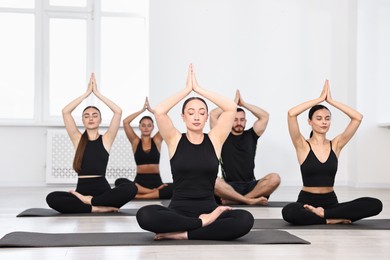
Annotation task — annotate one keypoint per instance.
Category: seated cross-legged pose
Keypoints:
(239, 184)
(146, 151)
(194, 156)
(318, 156)
(93, 192)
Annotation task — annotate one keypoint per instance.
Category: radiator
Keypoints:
(60, 153)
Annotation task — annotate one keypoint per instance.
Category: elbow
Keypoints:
(360, 118)
(65, 112)
(119, 111)
(290, 114)
(157, 112)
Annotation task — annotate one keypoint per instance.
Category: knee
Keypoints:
(377, 205)
(288, 212)
(120, 181)
(131, 189)
(246, 220)
(50, 199)
(274, 179)
(144, 217)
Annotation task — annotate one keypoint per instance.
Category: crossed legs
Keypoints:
(257, 196)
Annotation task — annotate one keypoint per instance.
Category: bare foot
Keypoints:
(338, 221)
(258, 201)
(207, 219)
(320, 212)
(103, 209)
(173, 235)
(162, 186)
(84, 199)
(248, 201)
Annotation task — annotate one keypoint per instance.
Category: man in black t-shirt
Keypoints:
(239, 184)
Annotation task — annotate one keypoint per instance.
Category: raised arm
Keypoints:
(69, 122)
(109, 136)
(356, 118)
(166, 128)
(223, 125)
(262, 116)
(214, 115)
(131, 135)
(296, 137)
(157, 138)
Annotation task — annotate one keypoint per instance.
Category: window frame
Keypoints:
(43, 12)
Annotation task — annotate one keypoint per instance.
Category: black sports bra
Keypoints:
(152, 157)
(316, 173)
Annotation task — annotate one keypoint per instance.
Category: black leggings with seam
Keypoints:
(101, 191)
(150, 181)
(354, 210)
(184, 216)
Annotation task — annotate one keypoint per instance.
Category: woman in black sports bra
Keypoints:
(317, 202)
(194, 156)
(146, 151)
(93, 192)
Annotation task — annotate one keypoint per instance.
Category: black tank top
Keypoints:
(194, 169)
(141, 157)
(238, 156)
(95, 158)
(316, 173)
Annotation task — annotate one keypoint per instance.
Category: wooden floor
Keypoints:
(325, 244)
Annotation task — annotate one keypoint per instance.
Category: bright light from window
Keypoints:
(17, 66)
(124, 64)
(17, 3)
(69, 3)
(133, 6)
(68, 58)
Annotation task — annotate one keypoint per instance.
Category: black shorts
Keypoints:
(243, 187)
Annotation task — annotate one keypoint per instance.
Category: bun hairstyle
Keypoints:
(313, 110)
(146, 117)
(79, 154)
(190, 99)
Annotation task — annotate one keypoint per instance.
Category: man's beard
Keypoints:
(238, 129)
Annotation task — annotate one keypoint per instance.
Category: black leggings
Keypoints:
(354, 210)
(101, 191)
(150, 181)
(229, 225)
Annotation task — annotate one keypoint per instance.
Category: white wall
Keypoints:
(278, 53)
(372, 164)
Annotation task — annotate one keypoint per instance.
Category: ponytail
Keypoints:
(78, 157)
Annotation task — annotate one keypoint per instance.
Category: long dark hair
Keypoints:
(313, 110)
(190, 99)
(79, 154)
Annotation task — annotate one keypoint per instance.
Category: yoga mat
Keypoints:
(378, 224)
(273, 204)
(42, 212)
(32, 239)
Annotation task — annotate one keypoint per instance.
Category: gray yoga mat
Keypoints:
(32, 239)
(273, 204)
(42, 212)
(378, 224)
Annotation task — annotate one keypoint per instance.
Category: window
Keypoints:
(52, 47)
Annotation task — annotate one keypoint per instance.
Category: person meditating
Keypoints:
(194, 156)
(93, 192)
(146, 149)
(318, 156)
